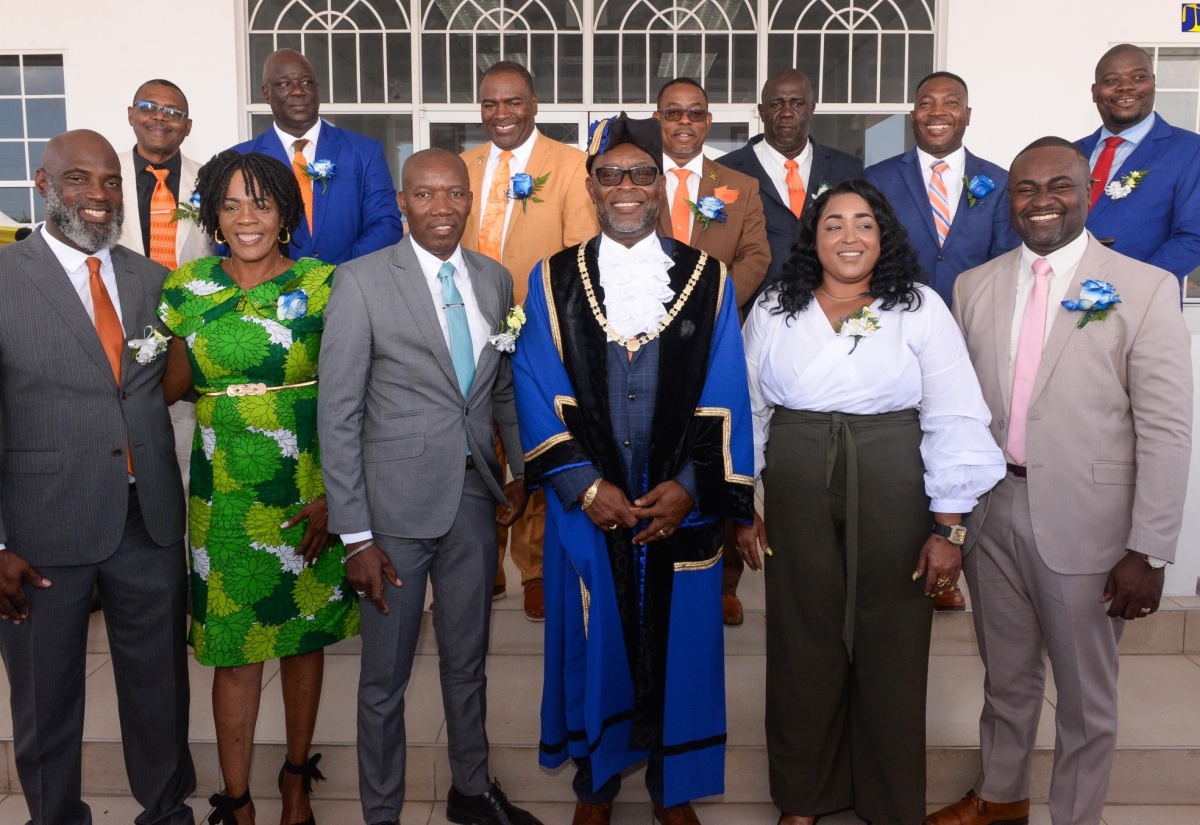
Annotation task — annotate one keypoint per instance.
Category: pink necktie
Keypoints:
(1029, 356)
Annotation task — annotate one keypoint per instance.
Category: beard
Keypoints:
(87, 236)
(614, 226)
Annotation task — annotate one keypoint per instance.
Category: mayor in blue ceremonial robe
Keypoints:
(633, 404)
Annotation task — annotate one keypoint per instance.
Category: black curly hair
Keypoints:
(265, 177)
(895, 276)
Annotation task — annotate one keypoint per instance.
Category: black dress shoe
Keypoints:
(488, 808)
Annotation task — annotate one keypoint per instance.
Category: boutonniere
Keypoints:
(525, 188)
(977, 188)
(1095, 300)
(321, 171)
(860, 325)
(188, 210)
(292, 305)
(712, 207)
(821, 190)
(506, 339)
(1121, 188)
(145, 350)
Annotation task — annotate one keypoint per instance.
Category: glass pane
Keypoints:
(370, 68)
(44, 74)
(716, 75)
(1177, 108)
(399, 68)
(464, 72)
(434, 68)
(14, 206)
(12, 161)
(866, 68)
(12, 125)
(316, 49)
(35, 148)
(891, 74)
(395, 132)
(47, 117)
(570, 68)
(392, 13)
(725, 137)
(260, 123)
(10, 74)
(344, 53)
(633, 70)
(1192, 283)
(39, 206)
(864, 136)
(918, 14)
(1178, 69)
(808, 59)
(567, 133)
(294, 17)
(456, 137)
(886, 136)
(920, 58)
(261, 46)
(604, 68)
(745, 69)
(834, 69)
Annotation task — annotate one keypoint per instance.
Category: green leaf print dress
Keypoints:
(255, 464)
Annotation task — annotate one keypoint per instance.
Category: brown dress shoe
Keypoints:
(592, 813)
(535, 601)
(676, 815)
(731, 610)
(498, 592)
(951, 599)
(971, 810)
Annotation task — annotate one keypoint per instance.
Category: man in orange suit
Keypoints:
(530, 202)
(719, 211)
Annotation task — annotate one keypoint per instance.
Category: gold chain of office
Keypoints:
(638, 341)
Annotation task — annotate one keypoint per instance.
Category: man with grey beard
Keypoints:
(90, 495)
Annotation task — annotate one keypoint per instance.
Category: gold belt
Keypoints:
(238, 390)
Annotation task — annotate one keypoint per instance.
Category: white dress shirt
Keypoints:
(516, 165)
(915, 359)
(310, 148)
(952, 177)
(696, 167)
(1063, 263)
(1133, 136)
(74, 263)
(773, 162)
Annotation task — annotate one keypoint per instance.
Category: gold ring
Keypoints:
(1144, 611)
(662, 533)
(943, 582)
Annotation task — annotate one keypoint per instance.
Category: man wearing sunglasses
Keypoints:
(634, 413)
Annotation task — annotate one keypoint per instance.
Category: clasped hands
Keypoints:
(664, 507)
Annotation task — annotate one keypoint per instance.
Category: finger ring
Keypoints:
(1144, 610)
(361, 593)
(943, 582)
(662, 533)
(612, 527)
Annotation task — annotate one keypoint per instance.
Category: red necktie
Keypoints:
(108, 327)
(1104, 166)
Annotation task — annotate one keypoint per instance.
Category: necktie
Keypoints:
(939, 200)
(462, 353)
(795, 186)
(300, 170)
(162, 231)
(108, 327)
(681, 214)
(1104, 167)
(491, 227)
(1029, 357)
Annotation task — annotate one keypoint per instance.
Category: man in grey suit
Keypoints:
(410, 386)
(90, 496)
(1094, 410)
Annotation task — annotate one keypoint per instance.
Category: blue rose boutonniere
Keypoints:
(1095, 300)
(977, 188)
(525, 188)
(321, 171)
(292, 305)
(707, 210)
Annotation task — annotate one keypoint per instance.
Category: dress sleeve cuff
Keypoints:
(569, 483)
(687, 479)
(953, 505)
(351, 538)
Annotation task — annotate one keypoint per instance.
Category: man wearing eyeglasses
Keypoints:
(635, 415)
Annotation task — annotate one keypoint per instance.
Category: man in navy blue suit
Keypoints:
(952, 227)
(1145, 172)
(350, 211)
(791, 168)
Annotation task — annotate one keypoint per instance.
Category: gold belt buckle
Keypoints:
(238, 390)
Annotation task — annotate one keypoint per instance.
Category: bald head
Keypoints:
(290, 86)
(80, 178)
(786, 110)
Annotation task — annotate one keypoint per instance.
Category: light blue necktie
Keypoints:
(461, 351)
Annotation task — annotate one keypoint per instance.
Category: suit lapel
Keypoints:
(535, 168)
(329, 147)
(1140, 158)
(1004, 301)
(410, 280)
(754, 168)
(132, 293)
(816, 174)
(484, 287)
(914, 179)
(184, 227)
(709, 181)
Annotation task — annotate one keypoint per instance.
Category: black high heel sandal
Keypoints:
(224, 806)
(309, 773)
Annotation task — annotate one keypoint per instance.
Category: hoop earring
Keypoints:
(288, 239)
(217, 236)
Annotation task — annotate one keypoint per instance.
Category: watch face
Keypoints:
(958, 534)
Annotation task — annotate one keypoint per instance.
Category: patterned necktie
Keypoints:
(108, 328)
(1104, 167)
(300, 170)
(1029, 357)
(795, 186)
(681, 213)
(939, 200)
(491, 227)
(462, 353)
(162, 231)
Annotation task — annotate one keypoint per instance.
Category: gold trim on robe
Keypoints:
(726, 433)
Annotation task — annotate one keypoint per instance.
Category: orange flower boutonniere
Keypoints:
(726, 194)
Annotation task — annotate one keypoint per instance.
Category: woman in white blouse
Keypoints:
(871, 439)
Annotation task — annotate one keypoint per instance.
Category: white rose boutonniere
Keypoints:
(860, 325)
(1120, 188)
(510, 329)
(144, 350)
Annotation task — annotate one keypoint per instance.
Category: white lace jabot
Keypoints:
(636, 283)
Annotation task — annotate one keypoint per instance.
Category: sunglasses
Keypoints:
(168, 113)
(613, 175)
(693, 115)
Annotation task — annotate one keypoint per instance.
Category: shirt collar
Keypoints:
(648, 249)
(72, 259)
(695, 165)
(288, 140)
(172, 164)
(956, 160)
(520, 153)
(431, 264)
(781, 158)
(1062, 260)
(1134, 134)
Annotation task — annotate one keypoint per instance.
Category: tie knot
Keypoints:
(939, 166)
(1042, 268)
(446, 272)
(298, 146)
(790, 164)
(505, 155)
(1114, 141)
(93, 265)
(160, 174)
(682, 174)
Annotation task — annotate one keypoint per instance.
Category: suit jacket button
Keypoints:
(941, 257)
(124, 395)
(116, 452)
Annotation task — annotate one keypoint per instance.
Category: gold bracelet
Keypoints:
(589, 496)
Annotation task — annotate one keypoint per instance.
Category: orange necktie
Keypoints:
(681, 213)
(795, 187)
(162, 231)
(108, 327)
(300, 170)
(491, 227)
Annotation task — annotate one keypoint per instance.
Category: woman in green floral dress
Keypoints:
(268, 580)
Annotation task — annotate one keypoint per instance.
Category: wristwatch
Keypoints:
(953, 533)
(1157, 564)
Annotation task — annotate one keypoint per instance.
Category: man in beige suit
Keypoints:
(739, 240)
(518, 222)
(1094, 411)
